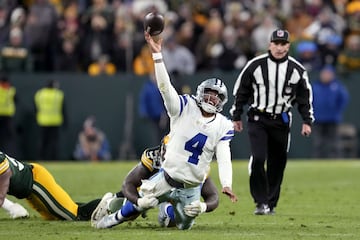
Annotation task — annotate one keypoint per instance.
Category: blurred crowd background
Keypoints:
(71, 41)
(106, 36)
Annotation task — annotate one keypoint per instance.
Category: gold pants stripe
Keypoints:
(49, 198)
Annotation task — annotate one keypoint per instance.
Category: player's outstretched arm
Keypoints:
(167, 90)
(227, 191)
(223, 156)
(155, 46)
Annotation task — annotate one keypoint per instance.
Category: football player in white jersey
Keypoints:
(113, 209)
(198, 131)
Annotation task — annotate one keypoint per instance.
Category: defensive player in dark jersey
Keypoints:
(35, 183)
(151, 161)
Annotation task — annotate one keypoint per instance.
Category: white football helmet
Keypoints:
(202, 98)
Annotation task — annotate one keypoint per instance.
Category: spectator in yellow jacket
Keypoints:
(50, 116)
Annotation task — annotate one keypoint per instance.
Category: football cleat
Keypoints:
(166, 217)
(102, 208)
(107, 221)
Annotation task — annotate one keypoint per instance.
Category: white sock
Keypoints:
(119, 217)
(7, 204)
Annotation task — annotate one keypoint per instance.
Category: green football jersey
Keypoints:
(21, 180)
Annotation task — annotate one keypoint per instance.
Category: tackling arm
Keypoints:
(210, 195)
(133, 181)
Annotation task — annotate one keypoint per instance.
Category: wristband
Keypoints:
(157, 56)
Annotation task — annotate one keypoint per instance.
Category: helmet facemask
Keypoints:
(211, 95)
(211, 102)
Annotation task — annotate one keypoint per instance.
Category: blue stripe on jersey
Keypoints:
(229, 135)
(232, 132)
(226, 138)
(183, 102)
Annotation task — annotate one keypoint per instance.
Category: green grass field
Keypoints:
(319, 200)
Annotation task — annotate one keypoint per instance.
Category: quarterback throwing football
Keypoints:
(198, 131)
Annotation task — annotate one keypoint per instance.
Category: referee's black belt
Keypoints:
(176, 184)
(262, 112)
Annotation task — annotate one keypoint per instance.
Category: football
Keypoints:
(154, 23)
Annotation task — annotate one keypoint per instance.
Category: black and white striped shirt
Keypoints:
(273, 86)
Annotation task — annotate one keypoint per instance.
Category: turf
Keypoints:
(319, 200)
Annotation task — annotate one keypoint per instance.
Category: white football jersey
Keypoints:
(193, 140)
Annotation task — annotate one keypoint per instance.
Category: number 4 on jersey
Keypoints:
(195, 145)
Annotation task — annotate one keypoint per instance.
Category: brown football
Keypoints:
(154, 23)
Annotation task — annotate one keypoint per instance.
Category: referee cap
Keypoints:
(280, 35)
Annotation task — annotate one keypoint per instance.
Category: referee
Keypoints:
(270, 84)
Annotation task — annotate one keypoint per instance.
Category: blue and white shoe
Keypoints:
(107, 221)
(166, 215)
(102, 208)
